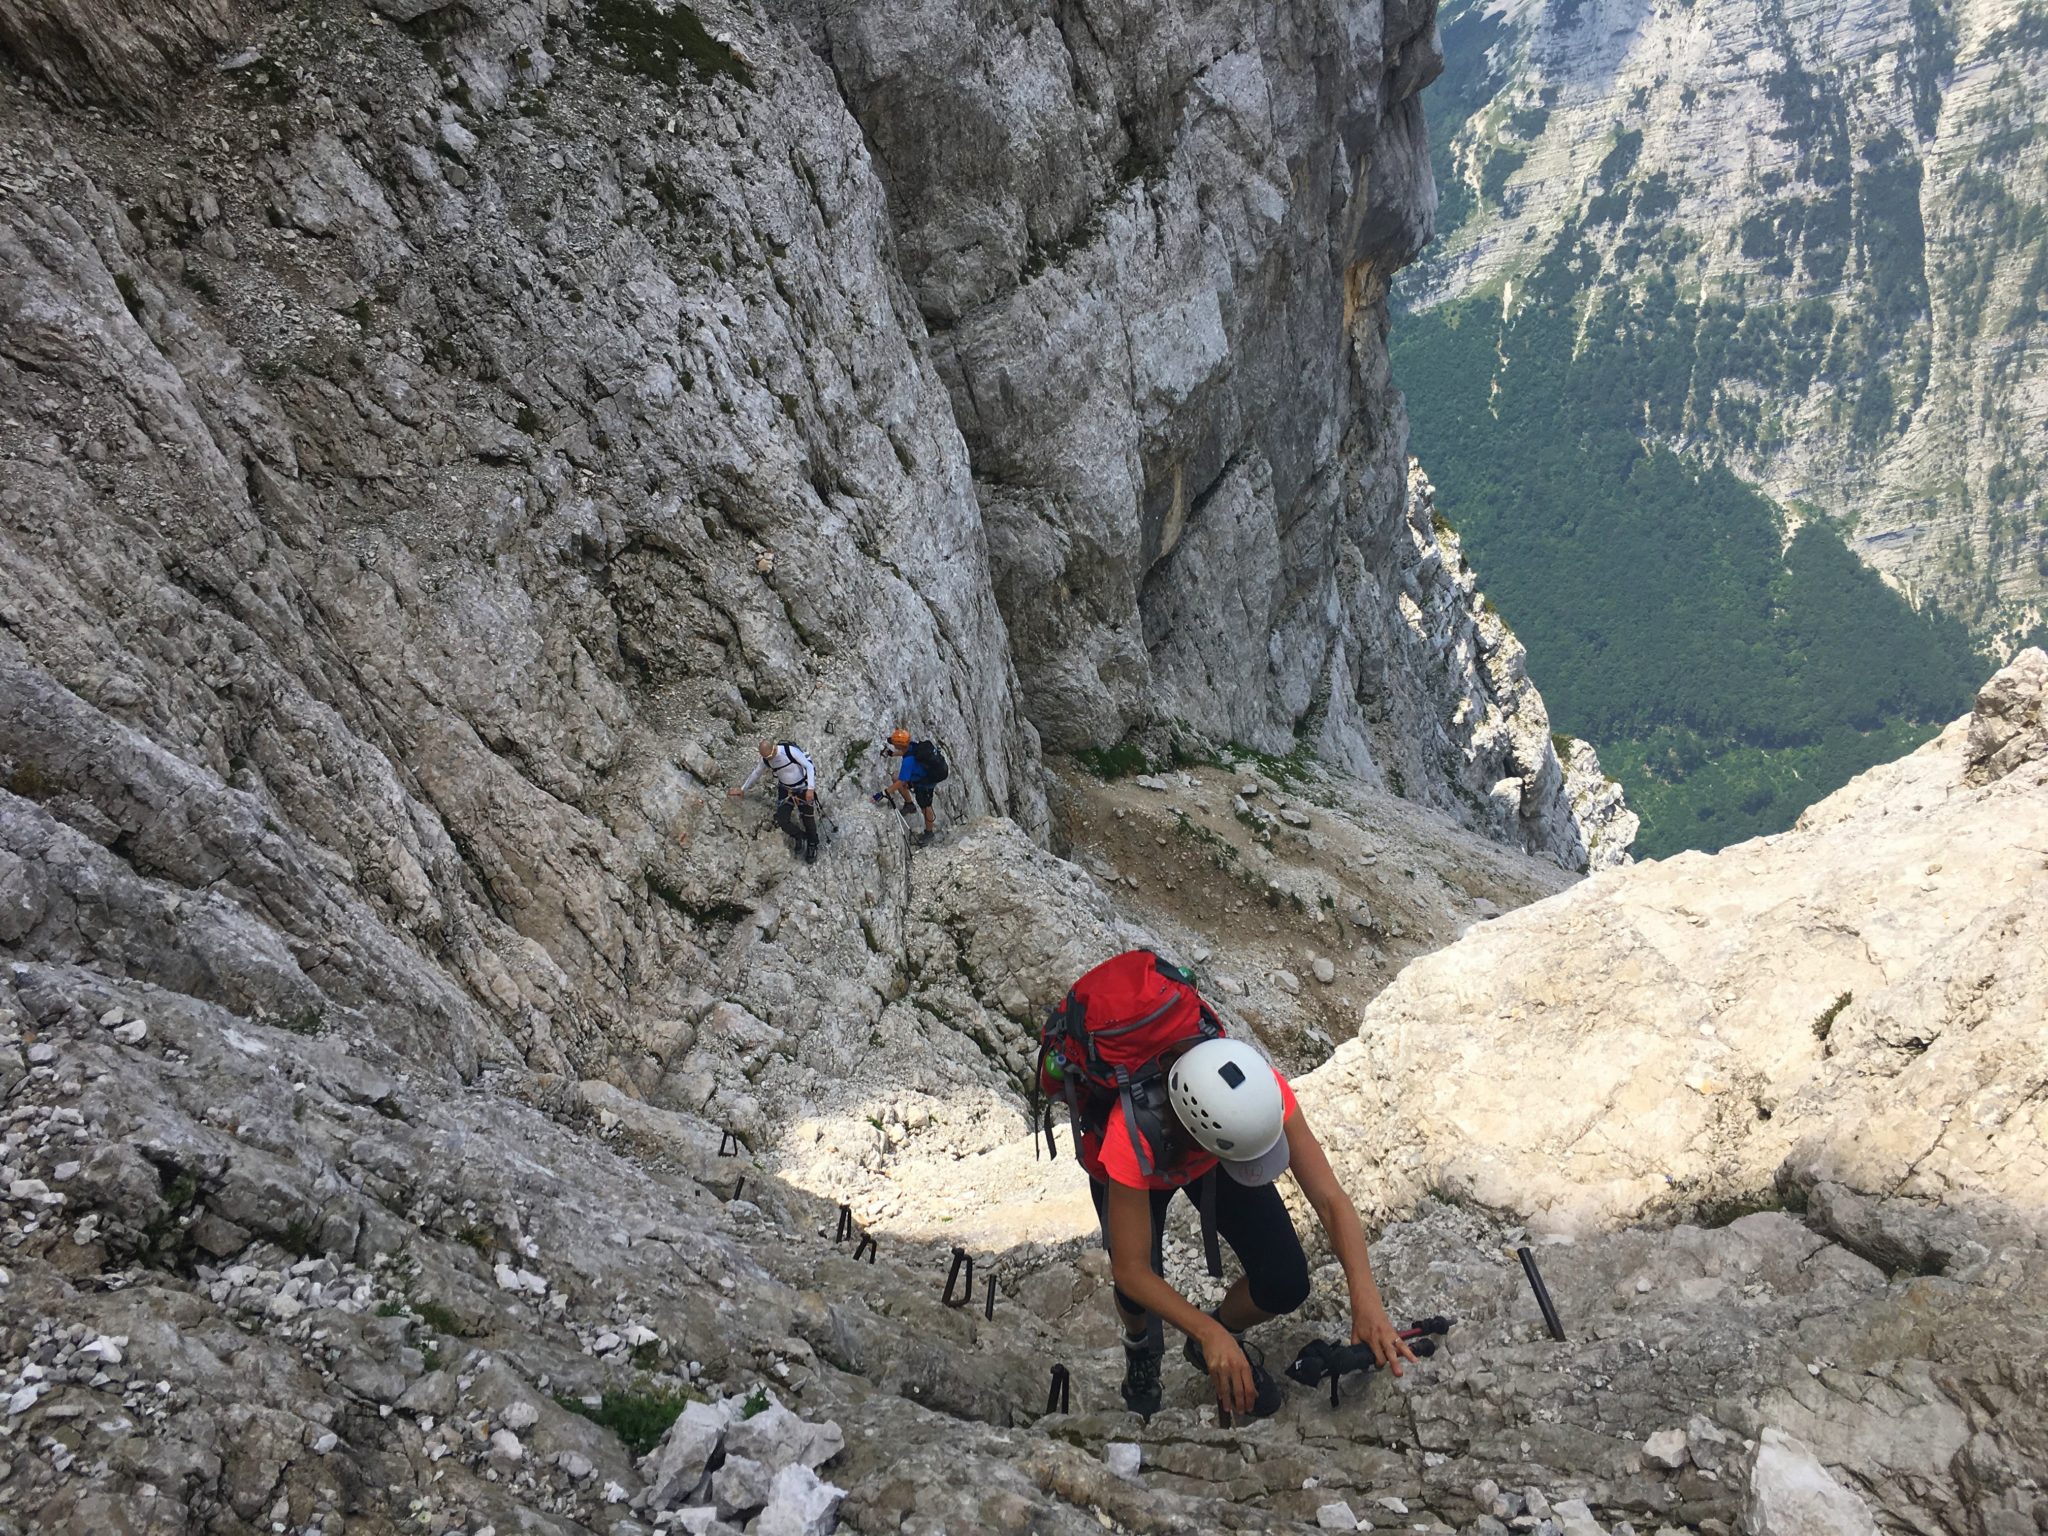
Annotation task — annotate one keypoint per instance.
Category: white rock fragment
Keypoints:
(675, 1470)
(1325, 971)
(740, 1486)
(800, 1503)
(1289, 982)
(776, 1438)
(521, 1281)
(520, 1415)
(1667, 1449)
(1336, 1517)
(134, 1032)
(1123, 1458)
(1789, 1490)
(506, 1444)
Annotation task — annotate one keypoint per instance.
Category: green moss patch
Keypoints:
(661, 44)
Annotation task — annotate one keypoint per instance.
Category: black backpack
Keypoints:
(931, 760)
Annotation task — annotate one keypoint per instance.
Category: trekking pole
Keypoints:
(1542, 1293)
(845, 1224)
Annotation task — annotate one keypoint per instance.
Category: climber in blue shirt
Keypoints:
(922, 769)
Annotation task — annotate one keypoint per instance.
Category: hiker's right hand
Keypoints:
(734, 794)
(1229, 1372)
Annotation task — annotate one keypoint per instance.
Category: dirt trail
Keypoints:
(1254, 875)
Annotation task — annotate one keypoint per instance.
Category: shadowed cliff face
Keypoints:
(1151, 243)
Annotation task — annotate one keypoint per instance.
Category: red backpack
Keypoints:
(1104, 1046)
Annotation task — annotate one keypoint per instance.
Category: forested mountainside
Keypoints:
(1718, 296)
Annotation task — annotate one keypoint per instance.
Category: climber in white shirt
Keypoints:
(796, 792)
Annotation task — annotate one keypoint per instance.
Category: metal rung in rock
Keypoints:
(947, 1298)
(1059, 1399)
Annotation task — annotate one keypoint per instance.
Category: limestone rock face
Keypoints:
(2009, 727)
(1851, 1011)
(1153, 246)
(1604, 818)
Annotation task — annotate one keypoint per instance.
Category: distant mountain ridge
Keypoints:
(1849, 206)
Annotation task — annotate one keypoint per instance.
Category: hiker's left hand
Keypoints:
(1371, 1326)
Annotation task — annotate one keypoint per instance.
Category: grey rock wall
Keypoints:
(435, 454)
(1153, 244)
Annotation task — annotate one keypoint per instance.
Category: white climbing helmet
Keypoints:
(1227, 1096)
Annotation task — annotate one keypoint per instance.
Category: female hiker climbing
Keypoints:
(1161, 1101)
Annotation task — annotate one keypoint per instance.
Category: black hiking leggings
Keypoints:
(796, 816)
(1252, 1219)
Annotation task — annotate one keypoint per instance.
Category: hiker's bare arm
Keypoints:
(1369, 1321)
(1130, 1247)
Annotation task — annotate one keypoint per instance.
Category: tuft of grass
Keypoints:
(1825, 1024)
(757, 1402)
(30, 782)
(478, 1236)
(441, 1320)
(660, 44)
(309, 1020)
(1117, 762)
(639, 1419)
(301, 1236)
(130, 294)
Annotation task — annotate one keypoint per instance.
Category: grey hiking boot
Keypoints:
(1141, 1370)
(924, 838)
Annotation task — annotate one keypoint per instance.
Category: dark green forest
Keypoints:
(1729, 677)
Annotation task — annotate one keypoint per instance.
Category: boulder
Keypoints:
(675, 1469)
(800, 1503)
(1790, 1491)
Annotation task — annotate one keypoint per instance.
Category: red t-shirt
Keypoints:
(1111, 1159)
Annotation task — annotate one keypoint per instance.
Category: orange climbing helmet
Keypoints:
(900, 740)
